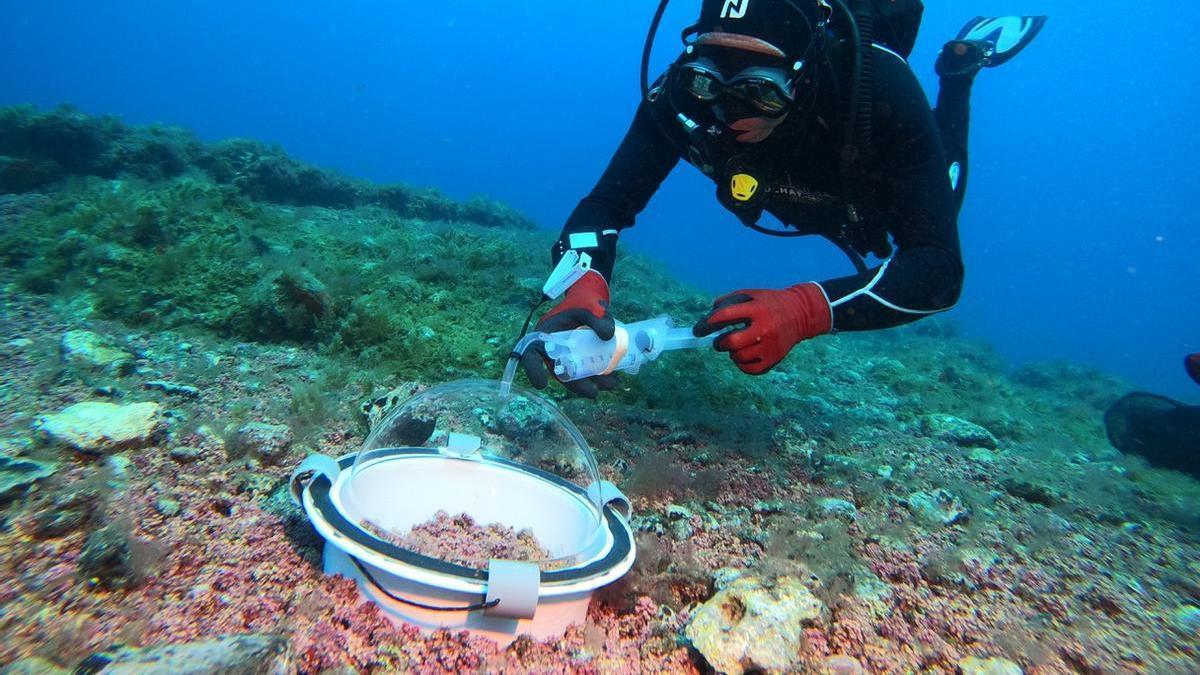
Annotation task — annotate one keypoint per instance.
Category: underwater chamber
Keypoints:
(469, 509)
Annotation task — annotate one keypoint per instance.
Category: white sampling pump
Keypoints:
(581, 353)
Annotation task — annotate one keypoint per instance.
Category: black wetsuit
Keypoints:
(903, 210)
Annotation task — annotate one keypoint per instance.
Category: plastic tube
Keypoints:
(510, 368)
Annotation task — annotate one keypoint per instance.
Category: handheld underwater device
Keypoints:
(581, 353)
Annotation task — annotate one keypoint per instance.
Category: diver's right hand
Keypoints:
(584, 305)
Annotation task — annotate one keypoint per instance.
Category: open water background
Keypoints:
(1079, 233)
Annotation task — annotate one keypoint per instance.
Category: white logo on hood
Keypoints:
(734, 9)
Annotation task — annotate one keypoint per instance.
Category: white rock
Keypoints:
(995, 665)
(101, 427)
(754, 625)
(228, 655)
(87, 349)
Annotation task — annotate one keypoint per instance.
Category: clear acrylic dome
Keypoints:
(464, 474)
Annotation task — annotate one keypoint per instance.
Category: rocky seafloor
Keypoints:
(181, 323)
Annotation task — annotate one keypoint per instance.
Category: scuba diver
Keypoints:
(1163, 431)
(806, 110)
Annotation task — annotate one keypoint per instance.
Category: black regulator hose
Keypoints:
(864, 19)
(658, 15)
(855, 44)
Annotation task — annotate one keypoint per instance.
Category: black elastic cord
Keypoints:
(529, 319)
(487, 604)
(525, 329)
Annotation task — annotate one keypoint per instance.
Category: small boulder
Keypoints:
(1034, 493)
(522, 421)
(167, 507)
(185, 454)
(973, 665)
(837, 508)
(938, 507)
(71, 510)
(107, 558)
(18, 474)
(958, 431)
(85, 349)
(247, 654)
(840, 664)
(754, 625)
(677, 512)
(99, 427)
(173, 388)
(1187, 619)
(725, 576)
(267, 442)
(679, 438)
(773, 506)
(33, 666)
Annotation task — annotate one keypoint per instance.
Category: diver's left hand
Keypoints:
(774, 322)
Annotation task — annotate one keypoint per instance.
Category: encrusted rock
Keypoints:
(268, 442)
(725, 576)
(1187, 618)
(1034, 493)
(679, 438)
(840, 664)
(522, 420)
(167, 506)
(71, 509)
(376, 408)
(682, 530)
(991, 666)
(229, 655)
(958, 431)
(101, 427)
(18, 474)
(754, 624)
(88, 350)
(938, 507)
(16, 445)
(185, 454)
(33, 666)
(834, 507)
(772, 506)
(173, 388)
(677, 512)
(107, 558)
(982, 455)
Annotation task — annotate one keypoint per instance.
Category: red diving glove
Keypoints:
(774, 321)
(585, 304)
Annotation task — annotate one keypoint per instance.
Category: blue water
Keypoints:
(1078, 232)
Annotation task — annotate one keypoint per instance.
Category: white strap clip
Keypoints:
(604, 493)
(322, 465)
(513, 587)
(462, 445)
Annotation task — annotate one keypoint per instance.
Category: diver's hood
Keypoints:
(785, 26)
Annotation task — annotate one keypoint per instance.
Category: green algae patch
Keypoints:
(239, 240)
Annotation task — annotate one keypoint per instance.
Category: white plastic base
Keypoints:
(554, 614)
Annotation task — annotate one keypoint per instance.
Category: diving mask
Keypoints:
(768, 90)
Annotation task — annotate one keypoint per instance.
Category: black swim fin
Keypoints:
(1192, 365)
(1003, 36)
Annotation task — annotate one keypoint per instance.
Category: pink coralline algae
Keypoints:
(1104, 584)
(459, 539)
